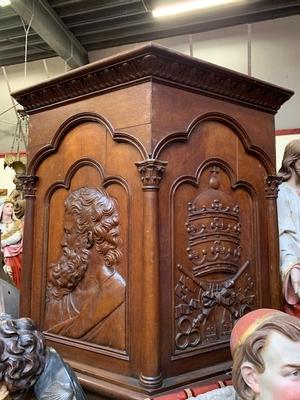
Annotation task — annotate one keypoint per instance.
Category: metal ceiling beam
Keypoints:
(20, 59)
(146, 28)
(66, 10)
(52, 30)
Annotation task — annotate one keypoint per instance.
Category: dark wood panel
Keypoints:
(140, 294)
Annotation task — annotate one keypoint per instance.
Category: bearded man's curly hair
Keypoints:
(22, 354)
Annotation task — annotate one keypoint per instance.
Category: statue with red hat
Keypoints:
(265, 345)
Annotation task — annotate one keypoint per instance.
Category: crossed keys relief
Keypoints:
(213, 290)
(200, 299)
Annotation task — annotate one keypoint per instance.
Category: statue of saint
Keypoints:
(28, 367)
(265, 346)
(11, 241)
(288, 206)
(18, 198)
(85, 296)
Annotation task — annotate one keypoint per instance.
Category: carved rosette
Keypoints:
(151, 172)
(29, 183)
(272, 186)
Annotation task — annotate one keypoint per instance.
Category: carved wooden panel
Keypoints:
(84, 251)
(180, 154)
(208, 294)
(215, 237)
(85, 294)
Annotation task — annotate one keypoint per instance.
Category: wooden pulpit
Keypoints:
(150, 225)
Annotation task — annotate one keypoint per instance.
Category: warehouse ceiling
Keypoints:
(72, 28)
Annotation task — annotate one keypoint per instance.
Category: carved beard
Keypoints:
(64, 276)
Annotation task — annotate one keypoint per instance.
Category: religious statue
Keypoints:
(18, 198)
(265, 345)
(85, 296)
(288, 205)
(17, 162)
(28, 367)
(11, 241)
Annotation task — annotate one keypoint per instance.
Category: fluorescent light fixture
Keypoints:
(4, 3)
(187, 6)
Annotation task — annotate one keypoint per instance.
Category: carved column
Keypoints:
(271, 188)
(151, 173)
(29, 183)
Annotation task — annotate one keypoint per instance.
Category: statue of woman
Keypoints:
(288, 206)
(11, 241)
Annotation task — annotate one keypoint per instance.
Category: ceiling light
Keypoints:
(4, 3)
(187, 6)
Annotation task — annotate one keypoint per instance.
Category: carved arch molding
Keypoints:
(213, 285)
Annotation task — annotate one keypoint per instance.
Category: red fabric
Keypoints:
(204, 389)
(247, 325)
(16, 265)
(292, 309)
(195, 391)
(174, 396)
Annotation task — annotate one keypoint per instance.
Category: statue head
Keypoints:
(290, 156)
(91, 221)
(265, 345)
(22, 354)
(7, 209)
(18, 183)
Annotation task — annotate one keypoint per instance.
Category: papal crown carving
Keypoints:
(214, 231)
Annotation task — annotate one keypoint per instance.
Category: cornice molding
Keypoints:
(153, 62)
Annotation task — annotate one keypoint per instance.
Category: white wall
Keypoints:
(6, 177)
(36, 73)
(275, 56)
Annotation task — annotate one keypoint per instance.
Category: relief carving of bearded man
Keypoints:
(85, 294)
